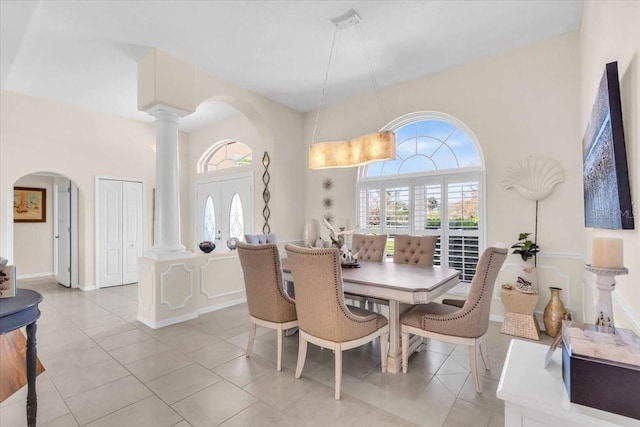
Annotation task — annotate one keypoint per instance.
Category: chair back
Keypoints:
(263, 283)
(322, 312)
(369, 247)
(474, 316)
(414, 249)
(260, 239)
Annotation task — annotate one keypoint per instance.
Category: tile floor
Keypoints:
(104, 368)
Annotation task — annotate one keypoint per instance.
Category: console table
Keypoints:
(16, 312)
(535, 396)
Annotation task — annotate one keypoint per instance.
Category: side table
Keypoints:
(519, 319)
(16, 312)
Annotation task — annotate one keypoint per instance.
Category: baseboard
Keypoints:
(166, 322)
(34, 275)
(220, 306)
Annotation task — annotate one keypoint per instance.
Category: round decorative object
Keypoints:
(231, 243)
(206, 246)
(554, 313)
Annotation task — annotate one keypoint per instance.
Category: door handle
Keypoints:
(57, 237)
(131, 245)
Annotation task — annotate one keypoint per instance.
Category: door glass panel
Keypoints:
(236, 218)
(209, 220)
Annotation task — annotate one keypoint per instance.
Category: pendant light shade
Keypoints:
(363, 149)
(355, 152)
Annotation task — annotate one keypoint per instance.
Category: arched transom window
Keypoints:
(225, 154)
(435, 186)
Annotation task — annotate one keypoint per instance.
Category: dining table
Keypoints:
(403, 285)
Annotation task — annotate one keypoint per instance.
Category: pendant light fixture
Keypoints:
(358, 151)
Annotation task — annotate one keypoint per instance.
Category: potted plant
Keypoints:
(527, 281)
(525, 247)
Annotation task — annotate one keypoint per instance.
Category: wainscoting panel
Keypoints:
(176, 286)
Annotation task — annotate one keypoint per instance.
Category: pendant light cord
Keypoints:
(327, 79)
(373, 76)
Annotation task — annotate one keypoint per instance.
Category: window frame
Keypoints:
(433, 177)
(203, 161)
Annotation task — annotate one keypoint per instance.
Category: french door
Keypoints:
(224, 209)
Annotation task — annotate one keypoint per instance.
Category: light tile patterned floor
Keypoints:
(104, 368)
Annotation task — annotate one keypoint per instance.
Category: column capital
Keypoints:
(166, 112)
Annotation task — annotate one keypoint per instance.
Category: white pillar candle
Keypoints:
(607, 253)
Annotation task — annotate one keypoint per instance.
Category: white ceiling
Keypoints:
(85, 53)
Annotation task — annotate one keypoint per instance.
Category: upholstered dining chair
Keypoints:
(323, 317)
(467, 325)
(269, 305)
(260, 239)
(368, 248)
(414, 249)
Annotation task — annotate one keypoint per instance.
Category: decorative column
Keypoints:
(166, 230)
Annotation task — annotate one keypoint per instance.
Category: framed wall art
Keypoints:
(29, 204)
(607, 195)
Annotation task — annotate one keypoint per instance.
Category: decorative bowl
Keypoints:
(206, 246)
(231, 243)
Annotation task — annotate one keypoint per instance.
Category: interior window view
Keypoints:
(384, 213)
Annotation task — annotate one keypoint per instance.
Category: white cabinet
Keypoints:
(119, 231)
(535, 396)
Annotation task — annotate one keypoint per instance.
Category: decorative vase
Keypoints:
(206, 246)
(554, 313)
(309, 233)
(527, 281)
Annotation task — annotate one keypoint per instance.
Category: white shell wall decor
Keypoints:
(533, 177)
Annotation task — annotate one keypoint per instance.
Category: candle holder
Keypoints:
(606, 283)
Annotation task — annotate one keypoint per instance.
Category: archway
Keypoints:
(46, 243)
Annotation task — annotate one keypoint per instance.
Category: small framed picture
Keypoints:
(8, 282)
(29, 204)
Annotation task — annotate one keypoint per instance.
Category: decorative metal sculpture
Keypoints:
(266, 195)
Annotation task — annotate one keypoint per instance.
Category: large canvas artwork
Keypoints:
(607, 196)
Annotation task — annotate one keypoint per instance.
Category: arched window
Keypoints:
(225, 154)
(435, 186)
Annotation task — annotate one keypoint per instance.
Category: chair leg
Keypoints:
(473, 362)
(405, 351)
(484, 354)
(252, 337)
(302, 355)
(280, 332)
(383, 351)
(338, 368)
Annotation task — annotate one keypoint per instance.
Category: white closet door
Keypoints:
(110, 233)
(132, 217)
(120, 231)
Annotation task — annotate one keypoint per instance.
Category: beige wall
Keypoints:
(33, 241)
(610, 31)
(519, 103)
(43, 136)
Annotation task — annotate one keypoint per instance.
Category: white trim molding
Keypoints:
(164, 284)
